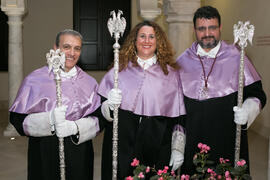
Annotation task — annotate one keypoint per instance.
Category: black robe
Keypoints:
(146, 138)
(43, 154)
(211, 122)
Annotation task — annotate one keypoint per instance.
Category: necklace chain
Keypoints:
(204, 75)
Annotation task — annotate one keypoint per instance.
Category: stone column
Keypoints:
(148, 9)
(14, 10)
(180, 22)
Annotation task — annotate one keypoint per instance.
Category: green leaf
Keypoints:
(154, 177)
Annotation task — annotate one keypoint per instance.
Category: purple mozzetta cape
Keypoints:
(147, 92)
(224, 77)
(38, 94)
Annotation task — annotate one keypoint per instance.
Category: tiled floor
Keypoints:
(13, 155)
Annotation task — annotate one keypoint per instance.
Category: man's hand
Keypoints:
(63, 127)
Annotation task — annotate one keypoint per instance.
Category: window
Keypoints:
(3, 41)
(90, 19)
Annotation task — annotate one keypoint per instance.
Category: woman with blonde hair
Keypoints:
(151, 104)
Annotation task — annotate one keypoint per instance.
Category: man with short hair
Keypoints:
(209, 73)
(35, 114)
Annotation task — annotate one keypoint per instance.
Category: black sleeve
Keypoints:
(182, 120)
(16, 119)
(255, 90)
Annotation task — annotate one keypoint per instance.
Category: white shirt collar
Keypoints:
(70, 73)
(211, 54)
(146, 63)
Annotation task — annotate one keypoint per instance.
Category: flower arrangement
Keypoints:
(223, 171)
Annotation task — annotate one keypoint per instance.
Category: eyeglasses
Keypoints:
(210, 28)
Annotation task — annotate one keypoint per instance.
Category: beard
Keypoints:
(208, 45)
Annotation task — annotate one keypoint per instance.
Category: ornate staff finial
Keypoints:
(56, 62)
(243, 32)
(116, 26)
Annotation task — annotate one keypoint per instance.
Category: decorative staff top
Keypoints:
(56, 61)
(243, 32)
(116, 25)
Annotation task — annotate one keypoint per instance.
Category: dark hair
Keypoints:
(207, 12)
(67, 31)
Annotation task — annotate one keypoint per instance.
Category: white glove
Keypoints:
(114, 98)
(178, 147)
(247, 113)
(63, 127)
(105, 110)
(177, 159)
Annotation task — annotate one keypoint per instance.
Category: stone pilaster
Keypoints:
(180, 22)
(15, 11)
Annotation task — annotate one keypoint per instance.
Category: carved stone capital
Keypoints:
(180, 10)
(14, 7)
(149, 9)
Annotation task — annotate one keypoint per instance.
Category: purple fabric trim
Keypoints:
(147, 92)
(178, 127)
(38, 94)
(224, 78)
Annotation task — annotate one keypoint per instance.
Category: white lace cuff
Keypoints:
(178, 139)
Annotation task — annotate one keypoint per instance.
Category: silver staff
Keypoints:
(242, 32)
(56, 62)
(116, 26)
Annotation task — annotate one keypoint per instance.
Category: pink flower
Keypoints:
(209, 170)
(161, 178)
(185, 177)
(241, 163)
(203, 148)
(200, 145)
(227, 175)
(141, 175)
(172, 173)
(159, 172)
(221, 160)
(129, 178)
(213, 174)
(165, 169)
(135, 162)
(219, 176)
(147, 170)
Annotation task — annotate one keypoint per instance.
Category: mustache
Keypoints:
(207, 37)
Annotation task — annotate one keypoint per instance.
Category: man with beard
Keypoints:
(209, 73)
